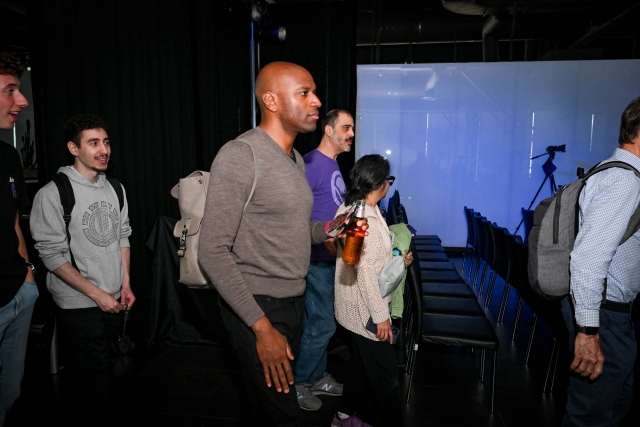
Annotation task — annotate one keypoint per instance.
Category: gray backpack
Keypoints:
(554, 231)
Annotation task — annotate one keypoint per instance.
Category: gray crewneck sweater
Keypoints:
(264, 250)
(98, 230)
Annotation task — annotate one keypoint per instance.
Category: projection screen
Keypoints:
(464, 134)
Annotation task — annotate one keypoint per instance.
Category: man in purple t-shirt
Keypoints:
(328, 187)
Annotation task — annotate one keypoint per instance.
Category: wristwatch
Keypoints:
(32, 267)
(587, 330)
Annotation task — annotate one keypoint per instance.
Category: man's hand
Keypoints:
(106, 302)
(588, 358)
(126, 296)
(362, 223)
(274, 354)
(384, 331)
(408, 259)
(330, 246)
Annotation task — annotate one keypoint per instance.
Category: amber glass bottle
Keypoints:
(355, 237)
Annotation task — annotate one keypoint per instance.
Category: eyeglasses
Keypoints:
(391, 179)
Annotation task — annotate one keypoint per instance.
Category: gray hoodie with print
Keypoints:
(98, 230)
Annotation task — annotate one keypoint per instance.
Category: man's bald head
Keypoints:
(272, 76)
(287, 98)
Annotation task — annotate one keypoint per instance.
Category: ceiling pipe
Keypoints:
(490, 51)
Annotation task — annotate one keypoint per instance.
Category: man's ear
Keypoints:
(270, 101)
(328, 130)
(73, 148)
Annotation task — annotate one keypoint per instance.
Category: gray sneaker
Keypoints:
(306, 399)
(327, 385)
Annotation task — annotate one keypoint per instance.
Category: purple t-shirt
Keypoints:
(327, 185)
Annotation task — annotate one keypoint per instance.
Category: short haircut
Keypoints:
(10, 64)
(81, 122)
(332, 117)
(630, 123)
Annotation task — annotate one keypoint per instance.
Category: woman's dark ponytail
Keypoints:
(368, 174)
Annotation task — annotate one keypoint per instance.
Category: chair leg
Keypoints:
(482, 366)
(475, 276)
(533, 331)
(493, 380)
(484, 273)
(553, 364)
(503, 302)
(492, 282)
(515, 325)
(413, 365)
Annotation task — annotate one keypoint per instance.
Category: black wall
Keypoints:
(173, 80)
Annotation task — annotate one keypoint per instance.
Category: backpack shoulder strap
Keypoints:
(255, 170)
(67, 200)
(117, 187)
(634, 221)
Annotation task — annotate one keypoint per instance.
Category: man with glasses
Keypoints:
(327, 185)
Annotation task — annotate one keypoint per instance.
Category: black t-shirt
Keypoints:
(13, 196)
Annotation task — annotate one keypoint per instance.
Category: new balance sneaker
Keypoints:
(327, 385)
(306, 399)
(352, 421)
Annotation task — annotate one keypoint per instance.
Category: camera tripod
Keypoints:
(548, 167)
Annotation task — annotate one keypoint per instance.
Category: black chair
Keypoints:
(547, 310)
(502, 267)
(438, 327)
(527, 219)
(468, 217)
(392, 209)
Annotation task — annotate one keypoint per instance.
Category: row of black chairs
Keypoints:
(495, 252)
(440, 307)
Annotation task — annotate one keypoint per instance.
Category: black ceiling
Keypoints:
(401, 31)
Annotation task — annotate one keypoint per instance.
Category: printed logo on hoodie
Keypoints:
(101, 222)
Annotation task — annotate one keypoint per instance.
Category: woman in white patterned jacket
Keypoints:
(373, 366)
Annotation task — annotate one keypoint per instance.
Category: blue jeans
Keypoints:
(15, 320)
(319, 323)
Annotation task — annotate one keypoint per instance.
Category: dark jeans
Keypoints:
(607, 399)
(264, 405)
(90, 332)
(373, 374)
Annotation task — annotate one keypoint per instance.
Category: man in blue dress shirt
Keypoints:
(605, 279)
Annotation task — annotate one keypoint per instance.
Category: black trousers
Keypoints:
(264, 406)
(607, 399)
(90, 332)
(373, 374)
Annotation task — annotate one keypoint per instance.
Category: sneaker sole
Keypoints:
(309, 409)
(325, 393)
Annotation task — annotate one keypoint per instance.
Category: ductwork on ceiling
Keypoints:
(542, 25)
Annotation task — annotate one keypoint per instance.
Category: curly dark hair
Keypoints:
(630, 123)
(81, 122)
(368, 174)
(10, 64)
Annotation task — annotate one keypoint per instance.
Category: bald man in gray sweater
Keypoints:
(257, 257)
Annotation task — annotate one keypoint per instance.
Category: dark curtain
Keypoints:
(321, 36)
(173, 81)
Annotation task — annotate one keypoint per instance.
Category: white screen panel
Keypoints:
(463, 134)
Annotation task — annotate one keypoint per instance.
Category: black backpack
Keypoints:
(68, 201)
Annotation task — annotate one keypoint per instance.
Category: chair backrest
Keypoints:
(401, 214)
(392, 209)
(490, 252)
(502, 260)
(480, 237)
(527, 219)
(414, 300)
(468, 216)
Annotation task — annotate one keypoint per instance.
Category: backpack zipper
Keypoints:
(556, 216)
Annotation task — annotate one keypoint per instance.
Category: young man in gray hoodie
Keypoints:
(89, 272)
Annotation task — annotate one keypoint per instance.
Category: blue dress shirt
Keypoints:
(607, 202)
